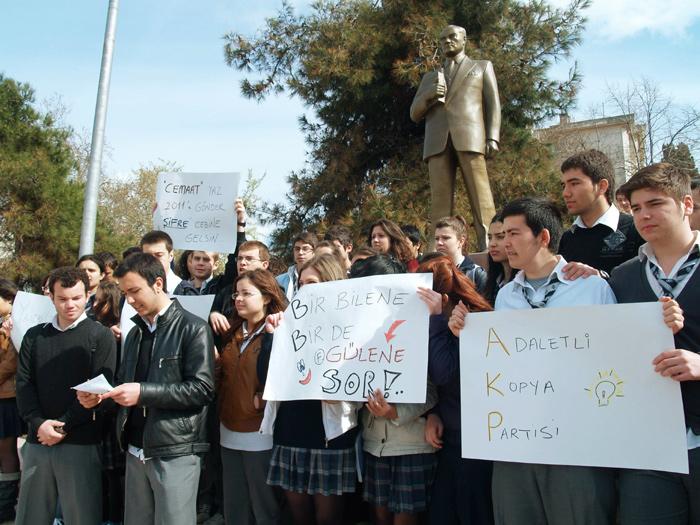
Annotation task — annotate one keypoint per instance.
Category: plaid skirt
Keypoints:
(312, 470)
(400, 483)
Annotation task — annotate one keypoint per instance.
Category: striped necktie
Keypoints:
(668, 284)
(550, 288)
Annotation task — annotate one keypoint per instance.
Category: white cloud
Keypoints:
(618, 19)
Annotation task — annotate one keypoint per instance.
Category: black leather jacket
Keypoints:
(180, 384)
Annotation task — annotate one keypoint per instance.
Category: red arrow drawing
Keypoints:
(390, 334)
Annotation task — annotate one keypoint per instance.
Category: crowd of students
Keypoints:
(185, 436)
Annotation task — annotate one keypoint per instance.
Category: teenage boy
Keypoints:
(62, 453)
(202, 264)
(601, 237)
(527, 493)
(412, 233)
(303, 246)
(166, 384)
(666, 269)
(451, 240)
(342, 238)
(695, 216)
(160, 245)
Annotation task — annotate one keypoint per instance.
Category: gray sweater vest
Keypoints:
(630, 284)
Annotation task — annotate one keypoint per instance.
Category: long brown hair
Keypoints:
(449, 280)
(266, 283)
(106, 308)
(399, 246)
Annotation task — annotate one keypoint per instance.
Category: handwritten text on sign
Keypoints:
(197, 210)
(571, 386)
(341, 340)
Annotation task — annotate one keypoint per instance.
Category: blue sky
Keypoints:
(173, 98)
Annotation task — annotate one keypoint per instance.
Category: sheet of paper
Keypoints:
(96, 385)
(29, 310)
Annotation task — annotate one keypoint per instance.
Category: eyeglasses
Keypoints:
(303, 249)
(244, 295)
(245, 258)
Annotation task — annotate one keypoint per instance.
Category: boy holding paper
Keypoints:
(666, 270)
(529, 493)
(62, 453)
(166, 386)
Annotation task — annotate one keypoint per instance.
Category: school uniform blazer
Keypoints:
(470, 115)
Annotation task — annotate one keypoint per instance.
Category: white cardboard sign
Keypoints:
(341, 340)
(571, 386)
(197, 210)
(29, 309)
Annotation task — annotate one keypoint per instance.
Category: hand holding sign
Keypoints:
(378, 406)
(198, 209)
(673, 314)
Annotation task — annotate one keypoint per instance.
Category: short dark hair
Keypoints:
(156, 236)
(662, 176)
(596, 166)
(8, 290)
(145, 265)
(412, 233)
(540, 214)
(130, 250)
(93, 258)
(339, 233)
(68, 277)
(109, 259)
(306, 238)
(381, 264)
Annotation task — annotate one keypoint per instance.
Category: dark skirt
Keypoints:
(11, 425)
(400, 483)
(313, 471)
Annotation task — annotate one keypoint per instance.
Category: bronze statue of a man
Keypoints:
(462, 125)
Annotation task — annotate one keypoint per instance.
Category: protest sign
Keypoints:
(197, 210)
(29, 309)
(571, 386)
(199, 305)
(341, 340)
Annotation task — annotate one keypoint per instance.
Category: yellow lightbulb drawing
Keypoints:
(606, 386)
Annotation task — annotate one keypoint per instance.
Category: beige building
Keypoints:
(618, 137)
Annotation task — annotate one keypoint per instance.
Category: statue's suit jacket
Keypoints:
(471, 113)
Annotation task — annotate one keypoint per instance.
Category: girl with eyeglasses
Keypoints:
(245, 452)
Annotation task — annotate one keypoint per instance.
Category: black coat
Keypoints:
(179, 386)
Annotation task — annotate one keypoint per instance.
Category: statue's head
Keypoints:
(452, 40)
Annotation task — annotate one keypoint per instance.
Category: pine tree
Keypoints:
(357, 63)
